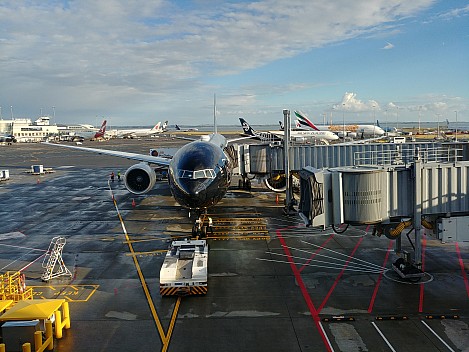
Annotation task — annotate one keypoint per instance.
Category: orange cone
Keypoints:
(133, 203)
(276, 199)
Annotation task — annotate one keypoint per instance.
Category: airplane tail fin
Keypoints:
(156, 127)
(281, 125)
(246, 127)
(377, 123)
(303, 119)
(177, 127)
(297, 124)
(103, 127)
(101, 131)
(165, 124)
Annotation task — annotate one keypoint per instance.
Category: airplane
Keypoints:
(190, 129)
(102, 131)
(139, 132)
(387, 129)
(298, 136)
(352, 131)
(199, 173)
(82, 132)
(7, 138)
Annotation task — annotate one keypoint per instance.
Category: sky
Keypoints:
(138, 62)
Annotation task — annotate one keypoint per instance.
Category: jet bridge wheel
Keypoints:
(407, 271)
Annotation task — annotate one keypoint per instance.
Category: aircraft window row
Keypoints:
(207, 173)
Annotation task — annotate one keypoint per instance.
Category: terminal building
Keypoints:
(27, 131)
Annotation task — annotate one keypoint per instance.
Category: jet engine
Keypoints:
(276, 182)
(140, 178)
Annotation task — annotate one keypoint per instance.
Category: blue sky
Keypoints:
(140, 62)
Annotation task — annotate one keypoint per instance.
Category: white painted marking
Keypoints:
(327, 337)
(11, 235)
(438, 337)
(382, 335)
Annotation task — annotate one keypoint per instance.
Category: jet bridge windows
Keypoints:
(197, 174)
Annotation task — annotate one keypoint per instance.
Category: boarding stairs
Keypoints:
(54, 259)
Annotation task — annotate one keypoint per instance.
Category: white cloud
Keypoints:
(120, 57)
(352, 104)
(388, 46)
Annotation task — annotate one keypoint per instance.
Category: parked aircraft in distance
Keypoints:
(139, 132)
(7, 138)
(352, 131)
(190, 129)
(199, 173)
(301, 136)
(79, 133)
(387, 129)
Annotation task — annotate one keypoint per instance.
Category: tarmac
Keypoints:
(295, 289)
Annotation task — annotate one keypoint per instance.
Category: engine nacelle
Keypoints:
(140, 178)
(301, 140)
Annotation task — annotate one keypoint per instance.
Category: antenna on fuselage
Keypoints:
(215, 113)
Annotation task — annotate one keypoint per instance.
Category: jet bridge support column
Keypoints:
(286, 148)
(405, 266)
(418, 212)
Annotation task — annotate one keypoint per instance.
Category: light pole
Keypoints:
(343, 121)
(456, 132)
(11, 111)
(53, 112)
(438, 126)
(420, 107)
(397, 118)
(374, 121)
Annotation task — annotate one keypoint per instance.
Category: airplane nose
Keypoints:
(192, 187)
(195, 192)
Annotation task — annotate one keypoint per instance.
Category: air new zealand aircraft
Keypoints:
(199, 174)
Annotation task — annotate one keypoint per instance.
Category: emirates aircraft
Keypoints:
(351, 130)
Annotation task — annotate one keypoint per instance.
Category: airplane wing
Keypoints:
(363, 141)
(126, 155)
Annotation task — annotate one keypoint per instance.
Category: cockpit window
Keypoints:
(207, 173)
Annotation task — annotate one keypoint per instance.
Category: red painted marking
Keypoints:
(31, 263)
(375, 292)
(340, 275)
(304, 291)
(461, 264)
(316, 252)
(422, 285)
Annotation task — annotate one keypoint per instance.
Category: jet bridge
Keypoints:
(267, 161)
(425, 188)
(389, 185)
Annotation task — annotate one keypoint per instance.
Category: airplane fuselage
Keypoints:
(199, 174)
(364, 130)
(327, 135)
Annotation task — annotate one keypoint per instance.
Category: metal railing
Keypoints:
(405, 155)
